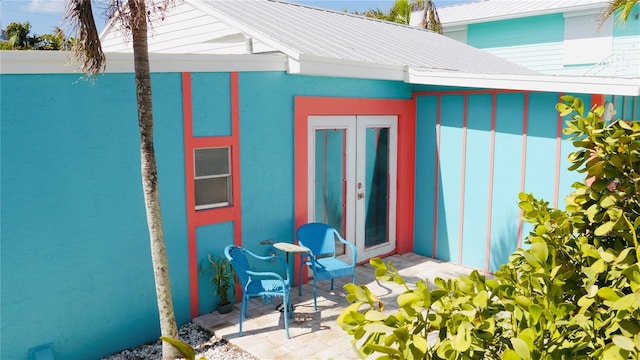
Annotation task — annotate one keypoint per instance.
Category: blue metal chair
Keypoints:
(263, 284)
(320, 239)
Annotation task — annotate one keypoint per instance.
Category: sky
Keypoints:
(44, 15)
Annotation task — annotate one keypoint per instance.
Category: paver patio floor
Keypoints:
(315, 334)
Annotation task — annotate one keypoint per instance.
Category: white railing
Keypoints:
(625, 63)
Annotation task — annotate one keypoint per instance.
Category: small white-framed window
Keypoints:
(212, 176)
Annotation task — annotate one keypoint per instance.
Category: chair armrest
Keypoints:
(353, 249)
(266, 274)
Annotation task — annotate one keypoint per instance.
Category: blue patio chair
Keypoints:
(265, 284)
(320, 239)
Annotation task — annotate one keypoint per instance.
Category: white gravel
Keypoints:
(206, 345)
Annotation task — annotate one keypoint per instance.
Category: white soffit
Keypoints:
(547, 83)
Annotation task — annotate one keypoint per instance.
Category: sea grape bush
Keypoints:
(572, 293)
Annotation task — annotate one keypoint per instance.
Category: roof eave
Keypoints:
(320, 66)
(60, 62)
(548, 83)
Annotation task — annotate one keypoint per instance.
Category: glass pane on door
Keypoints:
(330, 185)
(377, 186)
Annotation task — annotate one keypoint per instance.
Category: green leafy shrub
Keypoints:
(572, 293)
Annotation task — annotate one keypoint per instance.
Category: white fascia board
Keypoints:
(249, 32)
(547, 83)
(60, 62)
(320, 66)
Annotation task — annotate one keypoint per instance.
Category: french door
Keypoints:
(352, 179)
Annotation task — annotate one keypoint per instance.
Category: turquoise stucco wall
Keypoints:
(210, 239)
(472, 226)
(76, 267)
(211, 104)
(266, 130)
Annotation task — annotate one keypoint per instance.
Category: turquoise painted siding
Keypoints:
(210, 239)
(477, 174)
(211, 101)
(631, 28)
(427, 110)
(507, 177)
(451, 121)
(75, 263)
(539, 178)
(513, 32)
(537, 42)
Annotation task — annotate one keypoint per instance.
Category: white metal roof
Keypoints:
(311, 41)
(493, 10)
(308, 33)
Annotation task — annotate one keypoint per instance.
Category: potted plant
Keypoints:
(222, 280)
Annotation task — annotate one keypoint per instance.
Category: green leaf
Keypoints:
(563, 109)
(480, 300)
(520, 346)
(567, 98)
(510, 355)
(607, 293)
(462, 340)
(608, 201)
(523, 301)
(374, 315)
(185, 349)
(624, 302)
(383, 349)
(420, 343)
(623, 342)
(408, 299)
(535, 311)
(378, 328)
(540, 251)
(377, 262)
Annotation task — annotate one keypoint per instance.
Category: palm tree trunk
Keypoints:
(168, 326)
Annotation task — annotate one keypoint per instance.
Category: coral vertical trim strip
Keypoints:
(523, 169)
(217, 215)
(492, 151)
(437, 185)
(558, 160)
(462, 175)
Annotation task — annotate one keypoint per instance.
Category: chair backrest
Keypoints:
(319, 238)
(238, 259)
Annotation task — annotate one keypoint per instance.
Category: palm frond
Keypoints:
(624, 6)
(87, 49)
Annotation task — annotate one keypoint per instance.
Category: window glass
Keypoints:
(212, 178)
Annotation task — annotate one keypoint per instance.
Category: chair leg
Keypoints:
(331, 284)
(241, 314)
(300, 280)
(315, 302)
(285, 306)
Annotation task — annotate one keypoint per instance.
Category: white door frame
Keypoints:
(355, 212)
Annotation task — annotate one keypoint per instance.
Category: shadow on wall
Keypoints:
(443, 251)
(503, 245)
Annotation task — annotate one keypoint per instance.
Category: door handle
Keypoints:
(360, 195)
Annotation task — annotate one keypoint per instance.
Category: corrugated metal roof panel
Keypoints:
(300, 30)
(490, 10)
